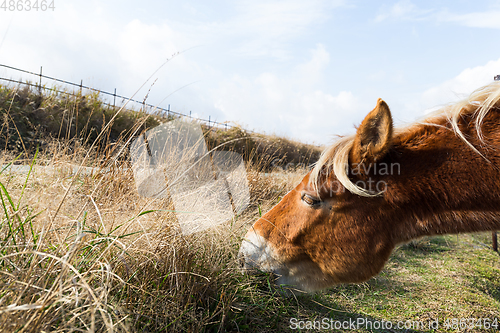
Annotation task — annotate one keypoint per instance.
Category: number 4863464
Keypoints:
(27, 5)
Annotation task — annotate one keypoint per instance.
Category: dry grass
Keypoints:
(87, 253)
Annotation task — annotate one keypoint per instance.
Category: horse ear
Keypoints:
(374, 135)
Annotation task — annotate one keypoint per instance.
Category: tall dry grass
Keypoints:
(85, 252)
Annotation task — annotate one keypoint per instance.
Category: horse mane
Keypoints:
(336, 157)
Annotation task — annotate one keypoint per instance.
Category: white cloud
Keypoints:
(461, 86)
(265, 27)
(407, 10)
(313, 69)
(292, 104)
(120, 49)
(319, 116)
(143, 46)
(402, 10)
(489, 19)
(84, 43)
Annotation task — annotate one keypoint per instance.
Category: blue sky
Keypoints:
(304, 69)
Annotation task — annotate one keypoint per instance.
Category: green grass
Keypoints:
(442, 278)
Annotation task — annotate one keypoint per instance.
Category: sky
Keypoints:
(305, 69)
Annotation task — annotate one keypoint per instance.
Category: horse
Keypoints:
(381, 187)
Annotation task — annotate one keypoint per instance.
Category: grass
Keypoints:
(87, 253)
(113, 261)
(438, 278)
(30, 120)
(441, 278)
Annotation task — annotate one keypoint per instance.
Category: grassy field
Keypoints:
(86, 253)
(29, 120)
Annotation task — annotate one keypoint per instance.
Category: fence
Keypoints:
(143, 104)
(164, 112)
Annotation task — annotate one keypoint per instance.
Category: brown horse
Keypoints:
(381, 187)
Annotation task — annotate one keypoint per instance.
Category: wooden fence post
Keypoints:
(494, 241)
(40, 84)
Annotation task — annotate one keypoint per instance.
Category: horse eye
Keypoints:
(310, 200)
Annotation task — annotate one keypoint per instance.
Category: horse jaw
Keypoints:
(256, 254)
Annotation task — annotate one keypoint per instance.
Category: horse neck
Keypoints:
(451, 222)
(443, 186)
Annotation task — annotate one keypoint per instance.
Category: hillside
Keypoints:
(31, 120)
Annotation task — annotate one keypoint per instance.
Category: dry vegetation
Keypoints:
(85, 252)
(30, 120)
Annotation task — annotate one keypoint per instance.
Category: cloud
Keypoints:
(292, 104)
(107, 52)
(488, 19)
(402, 10)
(264, 28)
(407, 10)
(313, 69)
(461, 86)
(121, 49)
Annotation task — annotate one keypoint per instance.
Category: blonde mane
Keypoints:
(336, 157)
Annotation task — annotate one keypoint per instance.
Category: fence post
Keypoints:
(77, 107)
(40, 75)
(494, 241)
(40, 84)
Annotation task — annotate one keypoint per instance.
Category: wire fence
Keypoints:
(164, 112)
